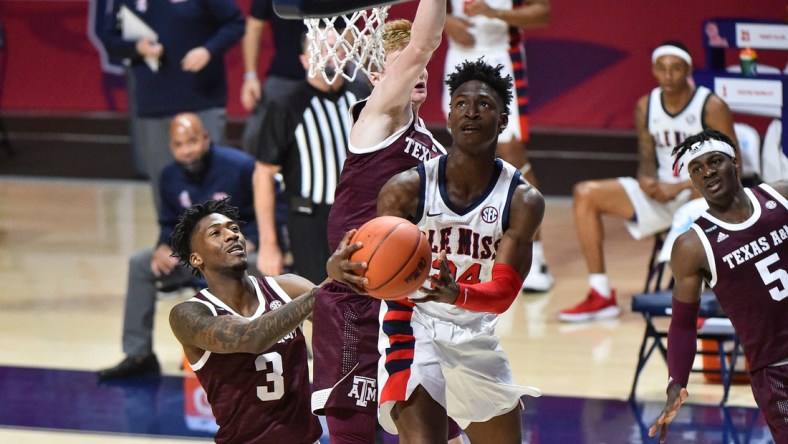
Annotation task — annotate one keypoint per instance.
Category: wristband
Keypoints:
(250, 75)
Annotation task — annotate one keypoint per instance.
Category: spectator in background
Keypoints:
(304, 135)
(493, 29)
(285, 72)
(663, 119)
(192, 39)
(201, 171)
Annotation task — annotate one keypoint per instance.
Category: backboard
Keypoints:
(300, 9)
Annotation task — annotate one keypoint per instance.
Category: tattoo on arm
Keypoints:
(233, 335)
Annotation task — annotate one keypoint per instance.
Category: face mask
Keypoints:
(196, 169)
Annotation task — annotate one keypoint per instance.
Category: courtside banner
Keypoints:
(761, 92)
(762, 36)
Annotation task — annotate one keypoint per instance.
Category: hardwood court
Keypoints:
(64, 247)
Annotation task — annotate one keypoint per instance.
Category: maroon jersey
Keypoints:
(749, 274)
(366, 171)
(259, 398)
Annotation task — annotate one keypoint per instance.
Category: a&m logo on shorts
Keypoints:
(364, 390)
(489, 214)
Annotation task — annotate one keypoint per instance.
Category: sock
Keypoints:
(537, 252)
(600, 283)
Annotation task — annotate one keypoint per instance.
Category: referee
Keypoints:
(303, 137)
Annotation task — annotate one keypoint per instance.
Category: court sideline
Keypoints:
(64, 246)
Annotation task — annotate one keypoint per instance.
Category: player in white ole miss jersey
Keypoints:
(495, 30)
(439, 352)
(673, 111)
(740, 248)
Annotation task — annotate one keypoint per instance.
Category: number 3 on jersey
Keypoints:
(271, 363)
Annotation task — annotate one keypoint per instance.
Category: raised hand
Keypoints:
(677, 395)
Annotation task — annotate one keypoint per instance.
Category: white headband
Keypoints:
(671, 50)
(707, 146)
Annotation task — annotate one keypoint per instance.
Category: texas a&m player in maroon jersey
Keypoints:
(387, 137)
(242, 334)
(739, 246)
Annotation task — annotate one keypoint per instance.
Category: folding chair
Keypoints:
(656, 302)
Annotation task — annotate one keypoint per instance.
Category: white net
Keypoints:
(358, 46)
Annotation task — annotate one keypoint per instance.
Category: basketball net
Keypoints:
(358, 48)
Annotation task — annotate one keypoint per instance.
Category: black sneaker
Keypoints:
(131, 367)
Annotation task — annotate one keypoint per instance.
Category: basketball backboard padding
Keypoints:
(300, 9)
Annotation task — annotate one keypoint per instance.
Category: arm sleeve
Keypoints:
(494, 296)
(682, 341)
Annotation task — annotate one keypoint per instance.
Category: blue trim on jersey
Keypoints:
(396, 327)
(422, 192)
(398, 365)
(399, 328)
(512, 186)
(445, 196)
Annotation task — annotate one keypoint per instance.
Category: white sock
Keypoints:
(600, 283)
(537, 252)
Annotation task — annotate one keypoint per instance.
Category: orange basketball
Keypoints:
(397, 254)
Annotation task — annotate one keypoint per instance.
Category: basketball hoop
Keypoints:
(358, 47)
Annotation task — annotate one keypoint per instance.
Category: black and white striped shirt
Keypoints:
(306, 134)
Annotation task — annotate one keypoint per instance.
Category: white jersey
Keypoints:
(488, 33)
(470, 236)
(670, 130)
(499, 44)
(451, 352)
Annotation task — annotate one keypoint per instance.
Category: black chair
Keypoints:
(656, 302)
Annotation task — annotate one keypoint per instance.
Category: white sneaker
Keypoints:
(539, 279)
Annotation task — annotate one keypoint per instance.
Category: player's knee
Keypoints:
(583, 192)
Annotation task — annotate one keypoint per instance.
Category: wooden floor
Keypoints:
(64, 246)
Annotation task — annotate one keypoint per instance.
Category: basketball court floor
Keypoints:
(64, 246)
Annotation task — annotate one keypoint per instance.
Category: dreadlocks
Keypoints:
(694, 141)
(182, 234)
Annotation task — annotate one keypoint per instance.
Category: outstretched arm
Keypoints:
(389, 104)
(197, 329)
(689, 265)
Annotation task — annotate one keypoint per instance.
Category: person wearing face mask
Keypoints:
(201, 171)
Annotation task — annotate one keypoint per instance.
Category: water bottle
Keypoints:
(748, 59)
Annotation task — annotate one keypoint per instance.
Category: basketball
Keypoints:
(397, 254)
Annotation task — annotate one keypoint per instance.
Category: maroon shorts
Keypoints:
(770, 389)
(345, 345)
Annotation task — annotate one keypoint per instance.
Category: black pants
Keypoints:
(309, 242)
